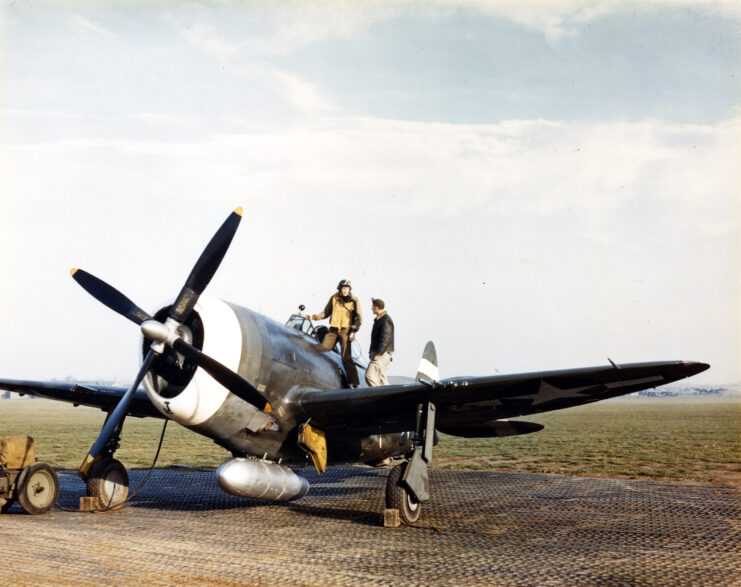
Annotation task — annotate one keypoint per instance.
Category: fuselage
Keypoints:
(281, 361)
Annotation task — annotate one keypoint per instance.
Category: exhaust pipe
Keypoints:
(260, 480)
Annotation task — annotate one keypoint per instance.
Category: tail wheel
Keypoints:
(38, 488)
(397, 496)
(108, 481)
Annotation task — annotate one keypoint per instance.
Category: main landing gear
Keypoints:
(408, 484)
(105, 477)
(109, 482)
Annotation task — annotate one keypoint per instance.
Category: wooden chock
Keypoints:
(391, 518)
(90, 504)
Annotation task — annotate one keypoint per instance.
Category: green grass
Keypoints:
(63, 434)
(669, 439)
(666, 439)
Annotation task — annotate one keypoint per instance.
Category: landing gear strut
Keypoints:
(408, 484)
(106, 478)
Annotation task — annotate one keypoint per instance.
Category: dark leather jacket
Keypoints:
(382, 335)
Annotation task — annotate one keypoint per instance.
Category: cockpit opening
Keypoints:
(302, 324)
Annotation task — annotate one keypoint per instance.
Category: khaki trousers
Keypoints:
(376, 373)
(343, 334)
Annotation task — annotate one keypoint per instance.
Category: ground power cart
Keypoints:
(34, 485)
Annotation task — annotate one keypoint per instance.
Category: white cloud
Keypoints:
(160, 119)
(298, 24)
(608, 178)
(210, 40)
(278, 28)
(560, 238)
(535, 167)
(557, 19)
(594, 239)
(45, 114)
(300, 92)
(86, 24)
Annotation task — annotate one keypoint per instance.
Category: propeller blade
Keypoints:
(205, 267)
(228, 378)
(115, 418)
(109, 296)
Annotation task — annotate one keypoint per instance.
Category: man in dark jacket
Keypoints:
(382, 345)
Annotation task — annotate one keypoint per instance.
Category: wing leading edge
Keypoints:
(104, 397)
(471, 406)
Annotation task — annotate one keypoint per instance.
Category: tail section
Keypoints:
(427, 370)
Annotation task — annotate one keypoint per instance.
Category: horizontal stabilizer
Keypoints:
(492, 429)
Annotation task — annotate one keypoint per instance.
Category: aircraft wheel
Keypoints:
(109, 482)
(37, 489)
(397, 496)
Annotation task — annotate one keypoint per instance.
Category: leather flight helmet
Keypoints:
(343, 283)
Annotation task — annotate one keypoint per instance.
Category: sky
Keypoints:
(530, 184)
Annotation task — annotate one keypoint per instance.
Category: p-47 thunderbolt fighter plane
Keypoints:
(268, 394)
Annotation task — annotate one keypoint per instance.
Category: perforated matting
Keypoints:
(479, 528)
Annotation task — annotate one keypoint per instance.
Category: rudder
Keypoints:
(428, 370)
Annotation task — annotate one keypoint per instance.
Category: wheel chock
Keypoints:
(90, 504)
(391, 518)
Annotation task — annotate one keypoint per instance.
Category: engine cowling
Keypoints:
(193, 398)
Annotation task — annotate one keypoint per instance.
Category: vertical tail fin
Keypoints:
(427, 370)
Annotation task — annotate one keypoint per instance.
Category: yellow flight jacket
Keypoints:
(341, 314)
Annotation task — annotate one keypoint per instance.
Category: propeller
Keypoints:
(167, 334)
(109, 296)
(205, 268)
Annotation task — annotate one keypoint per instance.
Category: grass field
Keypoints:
(667, 439)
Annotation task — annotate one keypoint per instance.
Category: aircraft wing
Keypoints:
(475, 406)
(104, 397)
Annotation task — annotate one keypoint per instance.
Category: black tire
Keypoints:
(37, 489)
(109, 482)
(398, 498)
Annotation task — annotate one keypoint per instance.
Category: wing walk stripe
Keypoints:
(618, 384)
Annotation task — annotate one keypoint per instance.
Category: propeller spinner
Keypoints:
(168, 334)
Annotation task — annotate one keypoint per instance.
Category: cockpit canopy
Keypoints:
(302, 324)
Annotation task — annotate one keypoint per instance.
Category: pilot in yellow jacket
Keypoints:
(343, 311)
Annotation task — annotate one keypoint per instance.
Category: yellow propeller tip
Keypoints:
(73, 270)
(238, 211)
